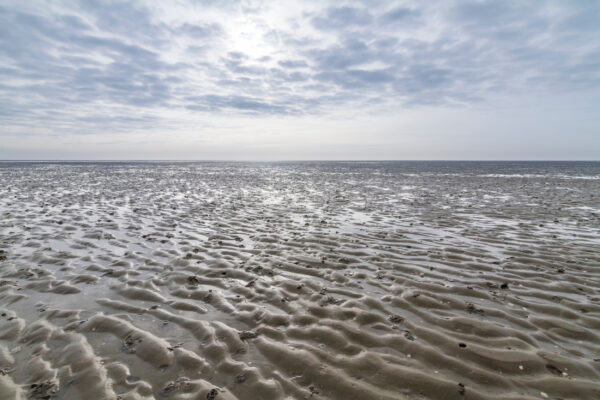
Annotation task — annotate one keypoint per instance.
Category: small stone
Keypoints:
(471, 309)
(248, 335)
(212, 394)
(395, 319)
(193, 280)
(553, 369)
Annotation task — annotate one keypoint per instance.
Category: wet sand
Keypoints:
(299, 281)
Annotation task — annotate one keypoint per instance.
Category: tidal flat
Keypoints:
(308, 280)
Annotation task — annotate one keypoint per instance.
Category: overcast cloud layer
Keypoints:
(275, 80)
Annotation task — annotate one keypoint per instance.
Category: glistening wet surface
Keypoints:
(379, 280)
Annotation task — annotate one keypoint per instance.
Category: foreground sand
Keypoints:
(311, 281)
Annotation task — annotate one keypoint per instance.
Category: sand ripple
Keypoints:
(299, 281)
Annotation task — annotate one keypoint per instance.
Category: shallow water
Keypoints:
(320, 280)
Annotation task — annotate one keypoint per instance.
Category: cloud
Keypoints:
(65, 63)
(342, 17)
(293, 63)
(399, 15)
(198, 31)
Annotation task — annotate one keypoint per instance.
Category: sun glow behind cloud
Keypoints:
(273, 80)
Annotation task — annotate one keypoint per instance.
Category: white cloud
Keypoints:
(183, 70)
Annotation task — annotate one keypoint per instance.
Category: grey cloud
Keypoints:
(74, 22)
(293, 63)
(243, 103)
(356, 78)
(237, 55)
(583, 19)
(372, 76)
(342, 17)
(130, 19)
(197, 31)
(342, 55)
(294, 76)
(399, 14)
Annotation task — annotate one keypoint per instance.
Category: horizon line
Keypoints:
(297, 160)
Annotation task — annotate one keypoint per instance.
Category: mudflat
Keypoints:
(322, 280)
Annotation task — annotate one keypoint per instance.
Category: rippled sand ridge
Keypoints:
(414, 280)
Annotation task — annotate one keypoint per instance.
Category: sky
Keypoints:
(298, 80)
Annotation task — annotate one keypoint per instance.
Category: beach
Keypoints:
(308, 280)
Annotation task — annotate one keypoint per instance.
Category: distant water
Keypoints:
(559, 169)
